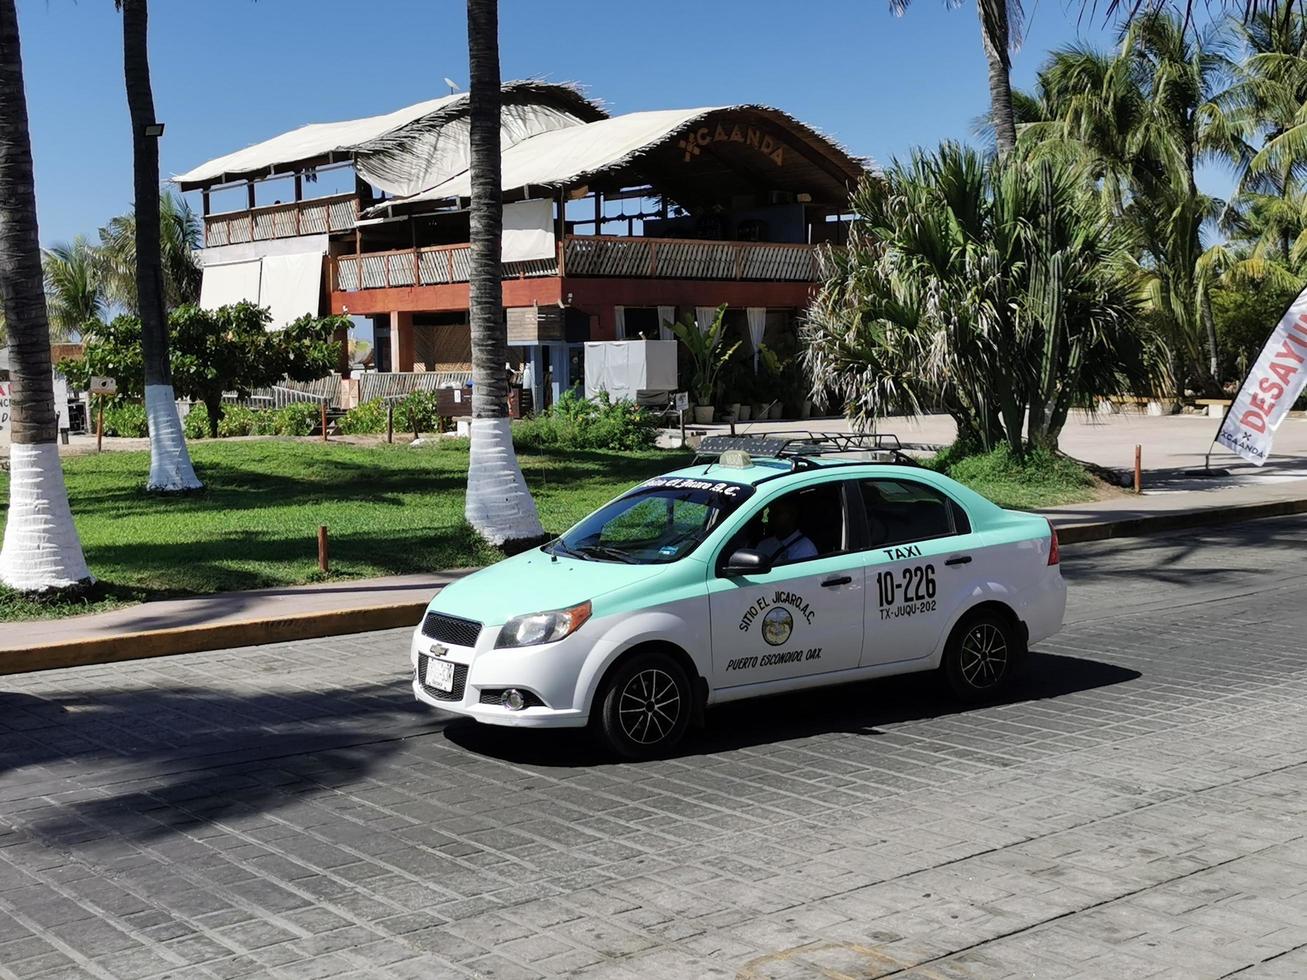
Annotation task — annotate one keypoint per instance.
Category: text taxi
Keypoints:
(785, 564)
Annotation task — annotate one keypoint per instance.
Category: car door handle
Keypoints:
(959, 560)
(830, 583)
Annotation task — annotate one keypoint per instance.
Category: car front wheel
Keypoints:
(645, 707)
(981, 657)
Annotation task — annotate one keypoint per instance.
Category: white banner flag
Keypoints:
(1271, 388)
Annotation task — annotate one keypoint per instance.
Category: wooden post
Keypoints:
(324, 556)
(1139, 471)
(390, 420)
(249, 193)
(322, 413)
(99, 426)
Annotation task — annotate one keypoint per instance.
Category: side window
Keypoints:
(903, 511)
(796, 526)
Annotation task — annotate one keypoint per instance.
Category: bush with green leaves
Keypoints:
(370, 417)
(196, 423)
(125, 419)
(574, 422)
(295, 419)
(418, 412)
(212, 352)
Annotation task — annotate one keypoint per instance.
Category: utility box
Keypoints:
(630, 370)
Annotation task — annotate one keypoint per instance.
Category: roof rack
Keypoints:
(800, 446)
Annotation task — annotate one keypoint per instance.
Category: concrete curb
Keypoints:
(1132, 527)
(193, 639)
(219, 636)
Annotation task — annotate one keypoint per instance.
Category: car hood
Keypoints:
(534, 582)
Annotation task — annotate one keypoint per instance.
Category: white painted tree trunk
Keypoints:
(499, 506)
(170, 462)
(41, 548)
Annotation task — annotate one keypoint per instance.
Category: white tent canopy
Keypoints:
(405, 150)
(562, 156)
(307, 142)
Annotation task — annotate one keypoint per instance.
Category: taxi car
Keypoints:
(781, 562)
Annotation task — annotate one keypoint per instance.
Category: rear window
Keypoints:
(903, 511)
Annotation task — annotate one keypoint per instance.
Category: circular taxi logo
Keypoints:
(777, 626)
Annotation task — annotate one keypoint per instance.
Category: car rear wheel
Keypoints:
(645, 707)
(981, 656)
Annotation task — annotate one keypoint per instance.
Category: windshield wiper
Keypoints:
(559, 547)
(604, 551)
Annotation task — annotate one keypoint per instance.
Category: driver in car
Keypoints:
(784, 541)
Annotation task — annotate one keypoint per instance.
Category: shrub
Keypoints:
(366, 418)
(237, 420)
(1039, 479)
(196, 423)
(126, 419)
(295, 419)
(418, 412)
(574, 422)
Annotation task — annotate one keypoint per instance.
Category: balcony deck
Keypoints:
(315, 217)
(589, 256)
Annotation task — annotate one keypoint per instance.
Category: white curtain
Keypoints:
(757, 327)
(704, 316)
(291, 286)
(528, 231)
(666, 315)
(619, 322)
(226, 284)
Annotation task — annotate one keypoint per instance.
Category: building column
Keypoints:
(401, 341)
(606, 328)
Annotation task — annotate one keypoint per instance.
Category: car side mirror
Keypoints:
(747, 561)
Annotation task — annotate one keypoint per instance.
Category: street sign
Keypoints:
(103, 386)
(682, 401)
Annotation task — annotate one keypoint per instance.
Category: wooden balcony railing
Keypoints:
(316, 217)
(435, 265)
(589, 255)
(678, 258)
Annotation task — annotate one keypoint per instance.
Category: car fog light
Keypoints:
(513, 700)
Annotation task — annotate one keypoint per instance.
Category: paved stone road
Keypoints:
(1138, 809)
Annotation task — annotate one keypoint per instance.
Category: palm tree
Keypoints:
(74, 292)
(1001, 24)
(1140, 122)
(499, 506)
(999, 289)
(179, 240)
(41, 549)
(170, 463)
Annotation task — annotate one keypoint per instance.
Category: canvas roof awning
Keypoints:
(768, 146)
(403, 145)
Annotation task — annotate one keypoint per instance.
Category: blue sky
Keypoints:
(228, 73)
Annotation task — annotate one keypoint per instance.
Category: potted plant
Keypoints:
(708, 357)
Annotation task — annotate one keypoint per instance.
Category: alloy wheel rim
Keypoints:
(984, 656)
(649, 706)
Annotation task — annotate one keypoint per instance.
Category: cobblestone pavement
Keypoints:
(1137, 809)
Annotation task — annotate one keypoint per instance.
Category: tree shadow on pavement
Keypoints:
(857, 709)
(146, 762)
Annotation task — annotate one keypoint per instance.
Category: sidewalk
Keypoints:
(232, 619)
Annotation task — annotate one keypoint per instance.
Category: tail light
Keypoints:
(1054, 556)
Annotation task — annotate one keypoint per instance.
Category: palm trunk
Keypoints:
(499, 506)
(994, 35)
(41, 549)
(170, 463)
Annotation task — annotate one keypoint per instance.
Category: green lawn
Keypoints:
(390, 510)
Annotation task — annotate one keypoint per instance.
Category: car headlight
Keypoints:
(543, 627)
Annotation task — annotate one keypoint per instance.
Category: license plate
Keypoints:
(440, 675)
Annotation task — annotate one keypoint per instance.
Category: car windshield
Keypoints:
(658, 522)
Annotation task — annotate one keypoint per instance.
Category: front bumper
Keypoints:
(549, 671)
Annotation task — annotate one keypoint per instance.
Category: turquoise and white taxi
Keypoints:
(779, 563)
